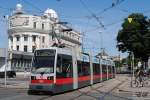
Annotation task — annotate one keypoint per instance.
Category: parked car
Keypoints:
(10, 74)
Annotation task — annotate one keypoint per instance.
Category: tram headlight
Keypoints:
(49, 78)
(33, 77)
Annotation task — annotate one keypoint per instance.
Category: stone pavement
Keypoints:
(118, 87)
(20, 82)
(105, 86)
(136, 93)
(100, 91)
(113, 89)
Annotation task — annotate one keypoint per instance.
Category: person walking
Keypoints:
(140, 76)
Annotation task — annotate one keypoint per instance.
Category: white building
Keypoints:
(29, 32)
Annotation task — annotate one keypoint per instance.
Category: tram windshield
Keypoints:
(43, 61)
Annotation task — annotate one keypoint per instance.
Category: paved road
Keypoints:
(21, 94)
(102, 91)
(114, 89)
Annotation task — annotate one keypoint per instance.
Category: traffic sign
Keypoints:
(129, 20)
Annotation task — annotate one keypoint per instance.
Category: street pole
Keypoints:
(133, 64)
(6, 52)
(131, 69)
(6, 66)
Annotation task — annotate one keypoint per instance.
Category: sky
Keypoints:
(79, 15)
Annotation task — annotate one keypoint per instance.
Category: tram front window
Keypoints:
(43, 62)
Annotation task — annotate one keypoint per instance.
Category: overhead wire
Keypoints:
(118, 2)
(32, 5)
(97, 18)
(92, 14)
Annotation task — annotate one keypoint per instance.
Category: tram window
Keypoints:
(109, 69)
(64, 66)
(83, 68)
(113, 69)
(104, 69)
(80, 72)
(96, 68)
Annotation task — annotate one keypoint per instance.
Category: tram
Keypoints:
(57, 70)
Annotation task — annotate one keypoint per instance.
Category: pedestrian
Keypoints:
(141, 76)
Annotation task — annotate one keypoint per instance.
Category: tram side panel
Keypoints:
(104, 72)
(64, 74)
(109, 72)
(83, 74)
(96, 73)
(113, 71)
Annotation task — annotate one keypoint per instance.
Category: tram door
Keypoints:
(109, 71)
(113, 71)
(83, 67)
(64, 71)
(104, 72)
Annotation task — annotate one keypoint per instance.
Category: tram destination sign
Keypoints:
(45, 53)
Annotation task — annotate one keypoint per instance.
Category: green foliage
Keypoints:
(118, 64)
(135, 36)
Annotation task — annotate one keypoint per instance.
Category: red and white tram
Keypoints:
(57, 70)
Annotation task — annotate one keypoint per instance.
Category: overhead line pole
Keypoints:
(6, 52)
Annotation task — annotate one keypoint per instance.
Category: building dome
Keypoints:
(50, 13)
(18, 9)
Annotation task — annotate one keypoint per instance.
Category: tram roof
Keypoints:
(66, 51)
(102, 61)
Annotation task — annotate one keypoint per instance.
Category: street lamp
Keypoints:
(58, 37)
(6, 51)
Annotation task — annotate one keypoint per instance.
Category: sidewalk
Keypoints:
(138, 93)
(127, 87)
(20, 82)
(15, 86)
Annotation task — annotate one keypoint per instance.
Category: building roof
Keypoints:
(102, 53)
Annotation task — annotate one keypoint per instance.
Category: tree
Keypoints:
(135, 36)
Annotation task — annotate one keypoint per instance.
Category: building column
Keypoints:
(14, 43)
(23, 67)
(38, 41)
(30, 43)
(21, 43)
(17, 64)
(9, 44)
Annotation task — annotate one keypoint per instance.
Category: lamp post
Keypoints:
(58, 37)
(6, 51)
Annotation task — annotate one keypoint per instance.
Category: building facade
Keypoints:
(28, 32)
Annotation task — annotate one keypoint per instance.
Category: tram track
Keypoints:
(110, 92)
(87, 93)
(101, 92)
